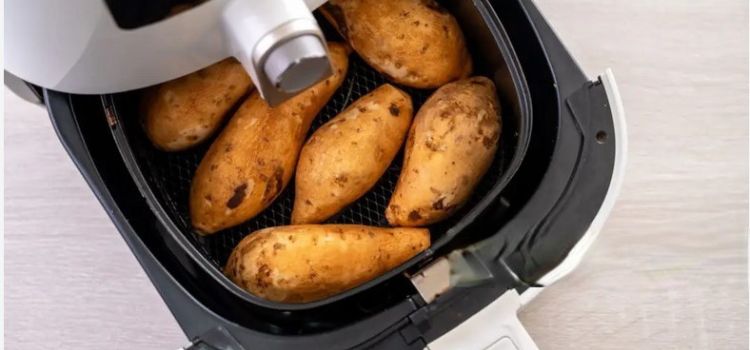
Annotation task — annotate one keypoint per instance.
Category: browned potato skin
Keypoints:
(253, 158)
(450, 146)
(345, 157)
(298, 264)
(416, 43)
(183, 112)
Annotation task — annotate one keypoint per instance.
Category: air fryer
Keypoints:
(529, 222)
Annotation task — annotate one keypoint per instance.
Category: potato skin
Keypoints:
(345, 157)
(184, 112)
(253, 158)
(416, 43)
(298, 264)
(451, 144)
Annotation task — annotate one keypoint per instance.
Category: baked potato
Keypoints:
(298, 264)
(345, 157)
(450, 146)
(183, 112)
(254, 157)
(416, 43)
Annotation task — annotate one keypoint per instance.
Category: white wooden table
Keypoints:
(668, 272)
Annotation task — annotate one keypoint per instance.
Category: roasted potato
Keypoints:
(345, 157)
(416, 43)
(298, 264)
(451, 144)
(254, 157)
(183, 112)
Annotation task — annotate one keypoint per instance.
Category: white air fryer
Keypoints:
(529, 223)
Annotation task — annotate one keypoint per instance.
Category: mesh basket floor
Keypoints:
(169, 175)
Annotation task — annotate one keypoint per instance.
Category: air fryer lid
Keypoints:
(155, 41)
(164, 178)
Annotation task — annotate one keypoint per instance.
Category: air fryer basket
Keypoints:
(164, 178)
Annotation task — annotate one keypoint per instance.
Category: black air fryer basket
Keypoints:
(548, 179)
(164, 178)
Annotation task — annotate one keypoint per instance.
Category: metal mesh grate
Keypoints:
(169, 174)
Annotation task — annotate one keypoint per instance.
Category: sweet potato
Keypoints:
(345, 157)
(416, 43)
(297, 264)
(254, 157)
(184, 112)
(451, 144)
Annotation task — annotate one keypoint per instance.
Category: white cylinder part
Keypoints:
(254, 29)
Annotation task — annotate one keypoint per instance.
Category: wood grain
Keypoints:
(70, 280)
(668, 272)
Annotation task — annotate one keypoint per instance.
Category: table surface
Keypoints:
(669, 270)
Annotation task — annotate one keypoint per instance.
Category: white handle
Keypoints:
(518, 338)
(496, 327)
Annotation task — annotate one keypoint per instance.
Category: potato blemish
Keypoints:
(394, 110)
(237, 197)
(275, 183)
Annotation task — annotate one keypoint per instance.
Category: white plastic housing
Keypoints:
(76, 46)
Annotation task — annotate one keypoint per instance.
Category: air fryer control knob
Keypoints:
(297, 63)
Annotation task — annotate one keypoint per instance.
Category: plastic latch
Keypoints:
(411, 334)
(460, 268)
(215, 339)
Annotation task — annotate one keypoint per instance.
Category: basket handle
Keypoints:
(496, 327)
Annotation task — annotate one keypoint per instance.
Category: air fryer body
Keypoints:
(467, 290)
(120, 45)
